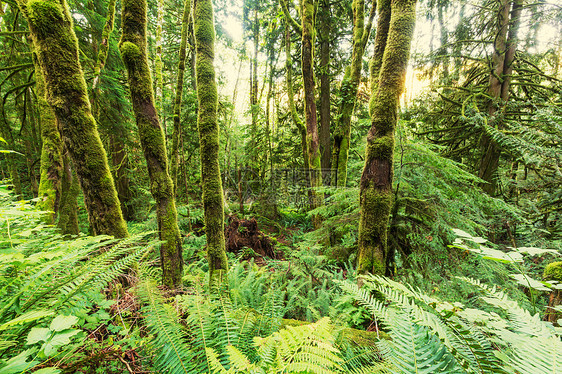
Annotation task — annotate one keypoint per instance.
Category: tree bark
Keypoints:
(134, 54)
(51, 28)
(68, 209)
(349, 87)
(213, 203)
(50, 182)
(324, 26)
(505, 45)
(178, 98)
(312, 140)
(376, 181)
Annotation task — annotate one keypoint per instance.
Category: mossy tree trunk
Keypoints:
(158, 59)
(324, 29)
(68, 209)
(134, 54)
(50, 182)
(376, 180)
(209, 139)
(312, 139)
(505, 44)
(104, 45)
(8, 136)
(55, 43)
(349, 87)
(179, 92)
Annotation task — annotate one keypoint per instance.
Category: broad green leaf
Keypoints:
(18, 364)
(38, 334)
(27, 317)
(63, 322)
(49, 370)
(63, 338)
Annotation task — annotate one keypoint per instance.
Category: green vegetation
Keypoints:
(270, 187)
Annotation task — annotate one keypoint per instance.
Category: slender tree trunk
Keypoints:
(50, 182)
(312, 140)
(134, 54)
(158, 63)
(8, 137)
(179, 92)
(56, 46)
(68, 209)
(324, 29)
(120, 163)
(349, 87)
(291, 96)
(209, 139)
(104, 46)
(376, 181)
(505, 45)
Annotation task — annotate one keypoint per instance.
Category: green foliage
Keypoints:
(429, 335)
(42, 276)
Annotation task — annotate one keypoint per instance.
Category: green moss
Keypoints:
(553, 271)
(44, 13)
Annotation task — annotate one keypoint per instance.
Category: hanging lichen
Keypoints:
(134, 54)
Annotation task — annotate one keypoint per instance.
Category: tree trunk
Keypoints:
(120, 163)
(50, 182)
(349, 87)
(104, 46)
(502, 63)
(56, 45)
(291, 97)
(312, 140)
(158, 62)
(178, 98)
(209, 140)
(376, 180)
(8, 137)
(133, 52)
(324, 27)
(68, 209)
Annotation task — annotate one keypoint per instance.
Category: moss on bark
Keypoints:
(68, 210)
(312, 139)
(133, 52)
(376, 181)
(179, 92)
(349, 87)
(209, 139)
(55, 43)
(104, 46)
(50, 182)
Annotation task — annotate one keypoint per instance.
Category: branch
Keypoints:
(290, 20)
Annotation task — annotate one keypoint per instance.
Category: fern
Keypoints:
(172, 354)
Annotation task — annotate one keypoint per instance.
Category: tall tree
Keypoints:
(176, 133)
(349, 87)
(312, 140)
(213, 203)
(50, 182)
(134, 54)
(505, 43)
(55, 43)
(324, 29)
(376, 181)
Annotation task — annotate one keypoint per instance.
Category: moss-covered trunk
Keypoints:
(8, 136)
(312, 140)
(349, 87)
(209, 139)
(104, 45)
(179, 92)
(505, 44)
(291, 97)
(50, 182)
(120, 165)
(376, 180)
(324, 29)
(68, 209)
(134, 54)
(56, 46)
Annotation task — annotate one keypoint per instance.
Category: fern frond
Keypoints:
(172, 354)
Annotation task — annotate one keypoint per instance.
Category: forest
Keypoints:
(280, 186)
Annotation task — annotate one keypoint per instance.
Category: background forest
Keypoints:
(313, 186)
